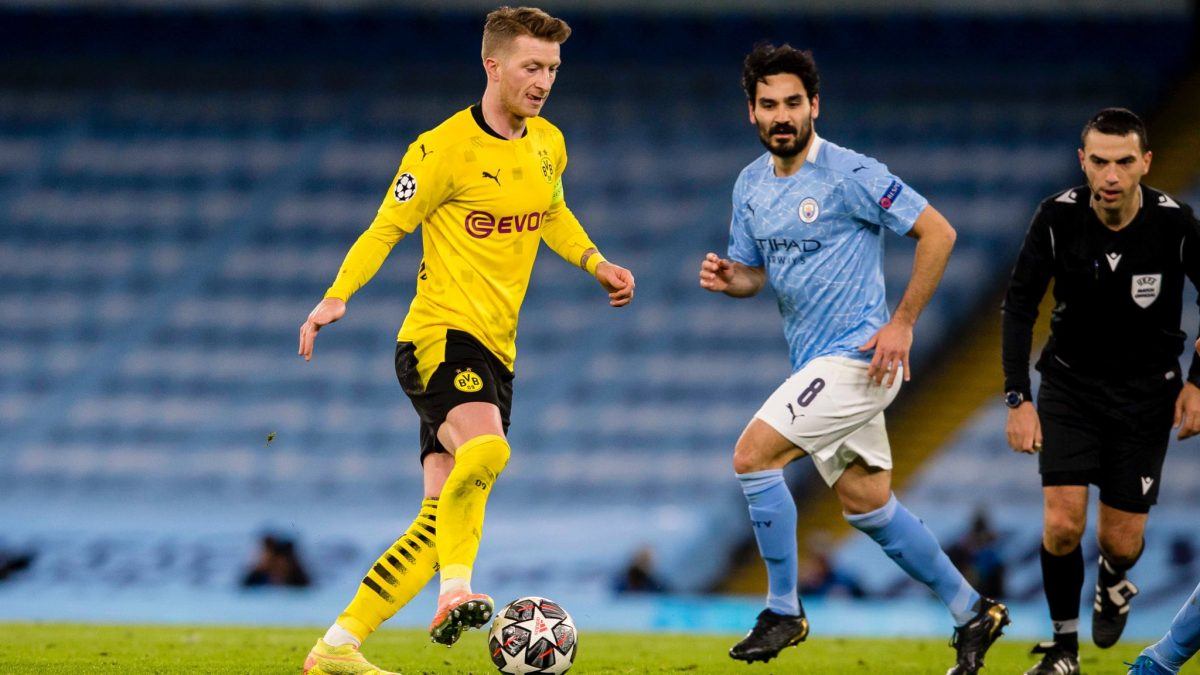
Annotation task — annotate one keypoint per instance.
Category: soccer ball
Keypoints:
(532, 635)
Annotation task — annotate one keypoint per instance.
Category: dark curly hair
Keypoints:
(767, 59)
(1116, 122)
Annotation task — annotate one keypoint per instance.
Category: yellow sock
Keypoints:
(477, 463)
(396, 577)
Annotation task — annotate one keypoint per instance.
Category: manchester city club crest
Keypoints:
(809, 210)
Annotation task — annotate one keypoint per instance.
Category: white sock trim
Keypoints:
(1061, 627)
(337, 636)
(455, 584)
(962, 606)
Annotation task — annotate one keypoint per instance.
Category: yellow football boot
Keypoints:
(344, 660)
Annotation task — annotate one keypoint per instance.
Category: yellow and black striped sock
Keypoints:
(396, 577)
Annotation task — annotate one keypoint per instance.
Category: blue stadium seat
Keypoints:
(161, 246)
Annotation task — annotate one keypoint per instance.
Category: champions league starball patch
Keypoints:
(406, 187)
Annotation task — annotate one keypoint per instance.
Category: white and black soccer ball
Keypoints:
(406, 187)
(532, 635)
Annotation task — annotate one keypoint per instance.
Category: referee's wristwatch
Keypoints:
(1013, 399)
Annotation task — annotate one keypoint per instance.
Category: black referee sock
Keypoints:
(1062, 579)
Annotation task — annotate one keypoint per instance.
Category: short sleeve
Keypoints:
(879, 197)
(421, 185)
(742, 247)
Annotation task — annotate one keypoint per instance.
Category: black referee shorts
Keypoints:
(1107, 432)
(469, 372)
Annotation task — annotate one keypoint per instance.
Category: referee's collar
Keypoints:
(813, 149)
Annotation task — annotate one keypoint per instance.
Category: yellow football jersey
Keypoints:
(485, 202)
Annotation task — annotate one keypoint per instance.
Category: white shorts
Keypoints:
(833, 412)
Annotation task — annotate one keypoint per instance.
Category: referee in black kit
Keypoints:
(1111, 390)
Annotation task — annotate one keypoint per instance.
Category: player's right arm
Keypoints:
(1187, 404)
(743, 273)
(1030, 278)
(730, 277)
(420, 186)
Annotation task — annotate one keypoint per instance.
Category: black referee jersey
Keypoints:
(1117, 295)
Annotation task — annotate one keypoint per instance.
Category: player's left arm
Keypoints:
(563, 233)
(566, 237)
(893, 342)
(1187, 405)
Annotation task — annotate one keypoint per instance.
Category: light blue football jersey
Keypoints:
(819, 234)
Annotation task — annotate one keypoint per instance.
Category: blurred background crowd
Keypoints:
(179, 182)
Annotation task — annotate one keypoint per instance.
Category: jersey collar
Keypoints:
(810, 158)
(477, 114)
(813, 149)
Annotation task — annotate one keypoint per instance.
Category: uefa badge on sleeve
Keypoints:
(809, 210)
(406, 187)
(890, 195)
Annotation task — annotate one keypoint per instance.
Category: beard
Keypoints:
(786, 149)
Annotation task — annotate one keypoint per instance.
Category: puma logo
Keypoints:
(495, 177)
(425, 153)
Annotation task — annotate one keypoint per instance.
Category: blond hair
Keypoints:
(506, 23)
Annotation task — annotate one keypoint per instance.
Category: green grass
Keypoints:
(60, 648)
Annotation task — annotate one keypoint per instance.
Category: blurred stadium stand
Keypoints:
(178, 188)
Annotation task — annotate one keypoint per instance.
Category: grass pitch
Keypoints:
(65, 648)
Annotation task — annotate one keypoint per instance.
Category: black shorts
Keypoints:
(469, 372)
(1106, 432)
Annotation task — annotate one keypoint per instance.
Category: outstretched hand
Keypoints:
(618, 281)
(326, 312)
(891, 344)
(716, 273)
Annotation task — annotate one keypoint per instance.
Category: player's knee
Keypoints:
(746, 460)
(858, 503)
(1062, 533)
(493, 454)
(437, 467)
(1121, 547)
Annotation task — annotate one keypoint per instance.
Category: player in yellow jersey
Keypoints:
(487, 186)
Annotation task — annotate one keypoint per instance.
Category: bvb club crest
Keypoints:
(466, 380)
(547, 166)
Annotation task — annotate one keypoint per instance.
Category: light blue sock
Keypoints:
(773, 513)
(1182, 640)
(913, 547)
